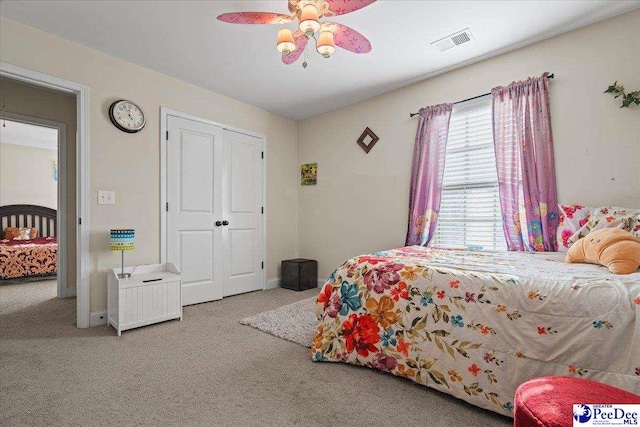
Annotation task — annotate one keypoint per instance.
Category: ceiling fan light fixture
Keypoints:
(309, 19)
(285, 43)
(305, 15)
(326, 46)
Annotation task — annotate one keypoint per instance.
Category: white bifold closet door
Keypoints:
(214, 213)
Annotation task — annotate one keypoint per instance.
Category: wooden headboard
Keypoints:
(30, 216)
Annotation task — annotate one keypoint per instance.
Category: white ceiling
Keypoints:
(29, 135)
(183, 39)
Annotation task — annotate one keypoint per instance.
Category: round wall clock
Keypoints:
(127, 116)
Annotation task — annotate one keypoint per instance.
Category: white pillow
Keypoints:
(609, 217)
(572, 218)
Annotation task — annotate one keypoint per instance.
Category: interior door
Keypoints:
(194, 197)
(242, 205)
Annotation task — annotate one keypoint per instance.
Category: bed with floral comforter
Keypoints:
(36, 257)
(478, 324)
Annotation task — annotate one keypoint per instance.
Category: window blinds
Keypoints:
(470, 214)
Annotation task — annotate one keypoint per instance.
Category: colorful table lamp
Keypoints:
(122, 240)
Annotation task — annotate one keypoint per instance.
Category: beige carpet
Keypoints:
(207, 370)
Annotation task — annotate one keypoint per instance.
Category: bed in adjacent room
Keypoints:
(29, 246)
(478, 324)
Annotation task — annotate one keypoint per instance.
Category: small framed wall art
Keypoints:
(309, 174)
(367, 140)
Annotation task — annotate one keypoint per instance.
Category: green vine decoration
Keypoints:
(627, 98)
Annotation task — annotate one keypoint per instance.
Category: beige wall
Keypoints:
(58, 107)
(26, 176)
(361, 201)
(129, 163)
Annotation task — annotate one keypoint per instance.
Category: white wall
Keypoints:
(129, 163)
(360, 203)
(26, 176)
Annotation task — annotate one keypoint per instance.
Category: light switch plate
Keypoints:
(106, 197)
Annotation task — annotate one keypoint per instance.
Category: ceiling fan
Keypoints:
(308, 14)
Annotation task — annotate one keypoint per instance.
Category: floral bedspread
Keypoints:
(31, 258)
(478, 324)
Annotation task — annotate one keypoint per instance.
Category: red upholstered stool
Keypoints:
(548, 401)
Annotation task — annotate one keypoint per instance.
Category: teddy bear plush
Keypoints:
(613, 248)
(23, 234)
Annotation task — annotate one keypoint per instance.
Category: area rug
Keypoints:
(294, 322)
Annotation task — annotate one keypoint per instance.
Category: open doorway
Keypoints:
(78, 220)
(32, 201)
(37, 196)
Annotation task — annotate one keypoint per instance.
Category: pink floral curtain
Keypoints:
(525, 162)
(427, 172)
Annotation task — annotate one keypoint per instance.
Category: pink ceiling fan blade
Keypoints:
(254, 18)
(348, 38)
(301, 43)
(341, 7)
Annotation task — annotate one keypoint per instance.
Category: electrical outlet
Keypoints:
(106, 197)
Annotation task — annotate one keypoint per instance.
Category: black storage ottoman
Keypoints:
(299, 274)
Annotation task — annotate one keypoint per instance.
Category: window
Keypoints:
(470, 215)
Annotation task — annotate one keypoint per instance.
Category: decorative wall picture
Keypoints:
(309, 174)
(55, 171)
(367, 140)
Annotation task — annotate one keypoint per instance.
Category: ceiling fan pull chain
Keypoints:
(306, 49)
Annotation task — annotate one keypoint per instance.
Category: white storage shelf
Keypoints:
(152, 294)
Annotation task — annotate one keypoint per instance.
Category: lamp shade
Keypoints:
(326, 46)
(285, 42)
(122, 240)
(309, 19)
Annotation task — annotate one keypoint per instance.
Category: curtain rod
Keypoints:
(550, 76)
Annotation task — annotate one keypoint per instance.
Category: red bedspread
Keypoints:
(19, 258)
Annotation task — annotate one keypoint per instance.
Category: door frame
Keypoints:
(164, 116)
(81, 93)
(61, 208)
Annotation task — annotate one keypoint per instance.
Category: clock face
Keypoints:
(127, 116)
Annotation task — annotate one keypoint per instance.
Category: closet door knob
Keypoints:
(218, 223)
(225, 222)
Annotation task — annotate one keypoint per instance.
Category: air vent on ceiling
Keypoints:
(453, 40)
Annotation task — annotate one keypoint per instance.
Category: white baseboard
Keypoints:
(98, 318)
(274, 283)
(70, 292)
